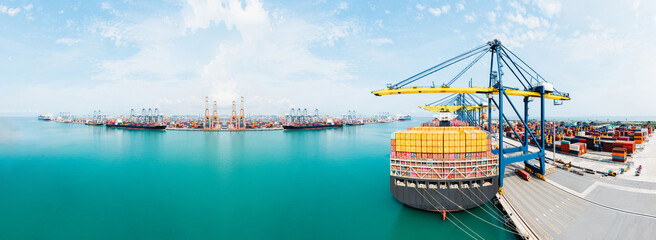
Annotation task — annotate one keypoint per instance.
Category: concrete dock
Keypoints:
(570, 206)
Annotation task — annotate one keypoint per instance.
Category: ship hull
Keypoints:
(444, 199)
(291, 127)
(157, 128)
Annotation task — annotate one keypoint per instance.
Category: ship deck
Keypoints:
(569, 206)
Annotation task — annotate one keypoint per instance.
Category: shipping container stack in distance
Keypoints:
(453, 165)
(577, 139)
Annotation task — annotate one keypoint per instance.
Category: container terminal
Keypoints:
(552, 180)
(151, 119)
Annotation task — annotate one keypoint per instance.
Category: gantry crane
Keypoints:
(468, 107)
(532, 85)
(242, 118)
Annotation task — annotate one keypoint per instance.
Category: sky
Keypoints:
(113, 56)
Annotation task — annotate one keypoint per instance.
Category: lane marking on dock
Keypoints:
(532, 199)
(541, 197)
(535, 212)
(617, 187)
(575, 193)
(559, 197)
(530, 222)
(531, 213)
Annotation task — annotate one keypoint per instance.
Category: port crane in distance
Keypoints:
(531, 85)
(467, 107)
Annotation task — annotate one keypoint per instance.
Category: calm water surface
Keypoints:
(71, 181)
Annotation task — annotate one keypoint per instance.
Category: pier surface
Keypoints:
(570, 206)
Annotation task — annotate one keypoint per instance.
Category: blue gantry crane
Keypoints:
(467, 107)
(529, 84)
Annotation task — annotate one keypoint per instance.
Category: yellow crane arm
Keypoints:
(452, 108)
(473, 90)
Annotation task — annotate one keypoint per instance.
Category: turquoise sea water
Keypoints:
(70, 181)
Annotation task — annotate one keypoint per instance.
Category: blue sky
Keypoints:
(79, 56)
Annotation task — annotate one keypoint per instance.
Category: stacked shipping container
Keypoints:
(442, 153)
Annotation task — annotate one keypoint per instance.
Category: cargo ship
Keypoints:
(45, 117)
(310, 126)
(354, 123)
(403, 117)
(136, 126)
(443, 168)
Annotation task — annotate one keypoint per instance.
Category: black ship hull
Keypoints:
(310, 127)
(137, 127)
(439, 199)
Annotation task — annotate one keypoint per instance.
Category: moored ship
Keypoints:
(137, 126)
(310, 126)
(443, 168)
(403, 117)
(46, 117)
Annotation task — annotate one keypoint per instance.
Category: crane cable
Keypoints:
(429, 202)
(495, 207)
(494, 225)
(496, 216)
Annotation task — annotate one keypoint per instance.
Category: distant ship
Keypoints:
(310, 126)
(403, 117)
(45, 117)
(137, 126)
(354, 124)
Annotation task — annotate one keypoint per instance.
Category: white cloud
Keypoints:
(67, 41)
(9, 11)
(381, 41)
(446, 9)
(460, 7)
(420, 7)
(28, 7)
(252, 20)
(387, 12)
(435, 11)
(529, 21)
(470, 18)
(635, 5)
(333, 32)
(105, 6)
(549, 7)
(278, 45)
(492, 17)
(61, 11)
(517, 6)
(342, 6)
